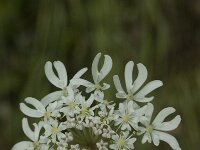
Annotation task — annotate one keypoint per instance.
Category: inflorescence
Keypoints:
(79, 117)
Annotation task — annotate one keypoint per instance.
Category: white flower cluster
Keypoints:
(76, 119)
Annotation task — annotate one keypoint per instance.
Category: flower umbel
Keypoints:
(75, 119)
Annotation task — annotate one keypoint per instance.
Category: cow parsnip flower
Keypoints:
(34, 136)
(133, 92)
(127, 116)
(40, 110)
(75, 118)
(98, 76)
(53, 131)
(123, 142)
(60, 81)
(154, 131)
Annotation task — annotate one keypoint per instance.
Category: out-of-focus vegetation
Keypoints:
(162, 34)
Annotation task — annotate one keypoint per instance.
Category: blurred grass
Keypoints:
(163, 35)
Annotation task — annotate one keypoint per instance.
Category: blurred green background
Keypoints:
(162, 34)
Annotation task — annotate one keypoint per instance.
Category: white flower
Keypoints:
(40, 110)
(153, 131)
(107, 131)
(54, 130)
(106, 114)
(70, 123)
(127, 116)
(123, 142)
(35, 143)
(133, 92)
(102, 145)
(60, 81)
(75, 147)
(85, 107)
(98, 76)
(63, 143)
(70, 107)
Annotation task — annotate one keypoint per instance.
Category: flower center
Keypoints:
(72, 105)
(54, 130)
(129, 97)
(126, 118)
(105, 102)
(149, 128)
(98, 86)
(36, 144)
(121, 142)
(47, 114)
(84, 111)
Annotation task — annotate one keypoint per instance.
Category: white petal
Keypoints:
(54, 123)
(38, 127)
(115, 137)
(36, 103)
(81, 82)
(149, 111)
(105, 86)
(24, 145)
(98, 96)
(107, 66)
(144, 99)
(118, 121)
(117, 83)
(90, 100)
(62, 127)
(121, 95)
(134, 124)
(51, 75)
(62, 73)
(170, 125)
(155, 138)
(168, 139)
(122, 108)
(27, 130)
(148, 88)
(90, 89)
(29, 111)
(141, 78)
(95, 71)
(113, 146)
(146, 137)
(141, 111)
(128, 73)
(51, 98)
(162, 115)
(36, 132)
(70, 93)
(80, 73)
(52, 106)
(130, 107)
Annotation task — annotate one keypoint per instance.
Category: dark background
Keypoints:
(162, 34)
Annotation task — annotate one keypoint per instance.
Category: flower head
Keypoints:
(75, 118)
